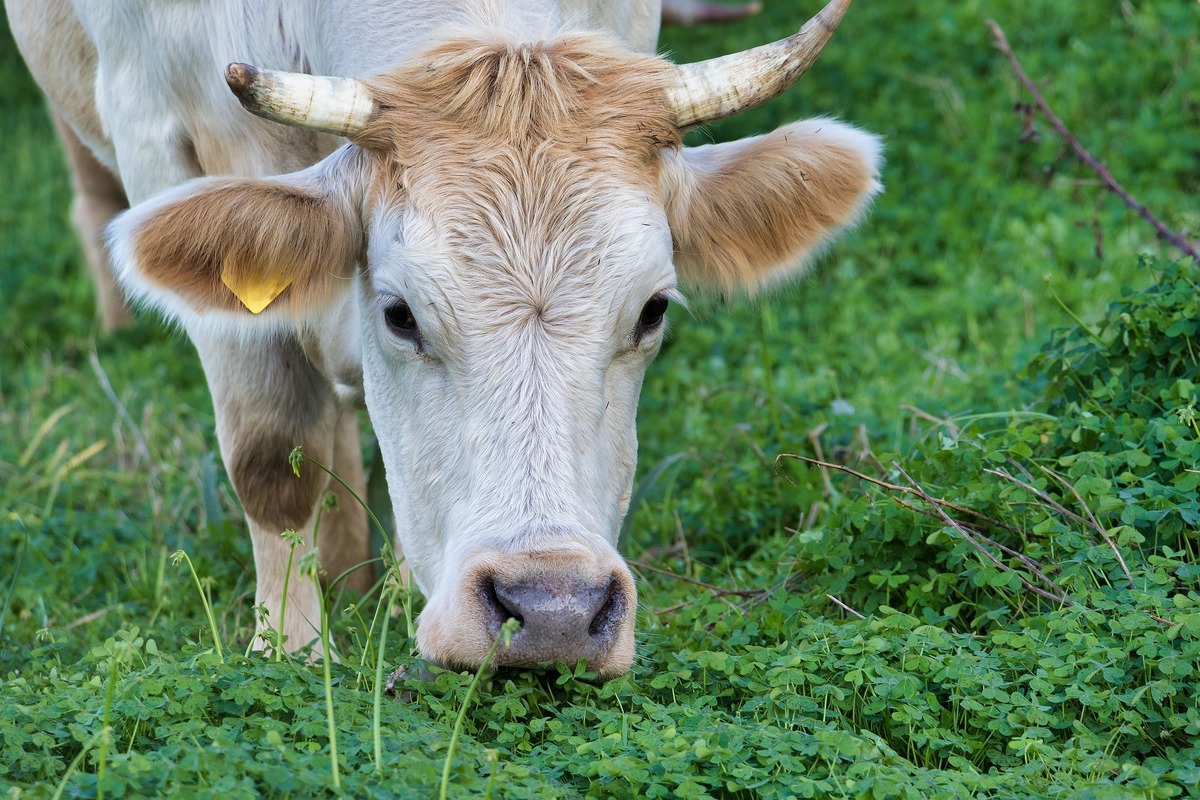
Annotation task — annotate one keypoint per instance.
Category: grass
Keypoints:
(965, 332)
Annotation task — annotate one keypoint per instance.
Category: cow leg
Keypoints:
(344, 539)
(302, 615)
(268, 398)
(98, 198)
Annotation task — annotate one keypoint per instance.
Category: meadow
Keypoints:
(1002, 599)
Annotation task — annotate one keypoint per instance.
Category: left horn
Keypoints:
(721, 87)
(340, 106)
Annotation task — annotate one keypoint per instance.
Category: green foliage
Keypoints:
(1026, 567)
(1098, 477)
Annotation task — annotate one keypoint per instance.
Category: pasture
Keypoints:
(1006, 604)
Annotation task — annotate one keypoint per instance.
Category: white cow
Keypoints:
(486, 262)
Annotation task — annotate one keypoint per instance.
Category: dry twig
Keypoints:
(1039, 494)
(92, 617)
(844, 607)
(1061, 597)
(936, 511)
(1095, 523)
(892, 487)
(973, 536)
(716, 590)
(1034, 565)
(1087, 158)
(814, 438)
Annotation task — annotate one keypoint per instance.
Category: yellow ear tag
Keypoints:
(255, 291)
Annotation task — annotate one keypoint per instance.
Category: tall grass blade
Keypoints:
(507, 630)
(41, 433)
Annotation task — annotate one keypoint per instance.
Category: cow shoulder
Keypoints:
(63, 59)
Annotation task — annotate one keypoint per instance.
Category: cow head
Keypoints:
(509, 223)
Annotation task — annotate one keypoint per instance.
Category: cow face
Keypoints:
(504, 343)
(510, 224)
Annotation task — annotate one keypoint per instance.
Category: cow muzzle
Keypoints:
(571, 604)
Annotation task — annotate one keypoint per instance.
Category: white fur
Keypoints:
(171, 120)
(513, 431)
(509, 429)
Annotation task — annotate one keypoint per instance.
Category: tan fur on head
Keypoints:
(582, 91)
(746, 213)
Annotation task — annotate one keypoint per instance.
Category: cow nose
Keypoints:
(560, 620)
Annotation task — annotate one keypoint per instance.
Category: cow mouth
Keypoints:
(571, 608)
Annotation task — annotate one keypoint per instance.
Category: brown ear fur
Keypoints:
(747, 213)
(256, 232)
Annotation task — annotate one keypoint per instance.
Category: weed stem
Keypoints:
(510, 627)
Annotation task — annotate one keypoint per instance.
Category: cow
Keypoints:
(471, 216)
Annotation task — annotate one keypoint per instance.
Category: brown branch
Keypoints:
(1033, 564)
(814, 437)
(716, 590)
(896, 488)
(92, 617)
(925, 415)
(937, 504)
(674, 608)
(972, 535)
(1039, 494)
(1086, 157)
(840, 468)
(1095, 523)
(1058, 598)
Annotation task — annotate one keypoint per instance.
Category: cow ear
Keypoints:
(284, 247)
(752, 212)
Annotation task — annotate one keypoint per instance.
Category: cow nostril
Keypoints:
(500, 611)
(610, 613)
(561, 620)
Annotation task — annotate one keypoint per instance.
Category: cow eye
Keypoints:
(401, 322)
(652, 316)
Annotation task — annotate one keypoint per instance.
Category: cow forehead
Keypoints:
(566, 259)
(522, 175)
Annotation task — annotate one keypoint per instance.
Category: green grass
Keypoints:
(938, 342)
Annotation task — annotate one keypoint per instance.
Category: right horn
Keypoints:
(340, 106)
(721, 87)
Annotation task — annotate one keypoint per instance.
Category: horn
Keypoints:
(721, 87)
(340, 106)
